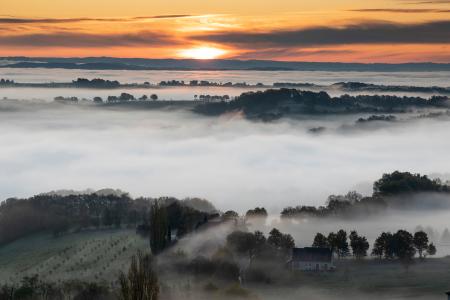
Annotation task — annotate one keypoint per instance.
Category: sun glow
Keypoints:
(202, 53)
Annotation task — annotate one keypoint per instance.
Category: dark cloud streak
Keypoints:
(363, 33)
(401, 10)
(83, 40)
(14, 20)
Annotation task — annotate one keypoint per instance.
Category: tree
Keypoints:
(320, 241)
(282, 243)
(159, 228)
(243, 243)
(230, 215)
(420, 241)
(126, 97)
(383, 246)
(431, 249)
(287, 243)
(141, 282)
(403, 246)
(274, 239)
(405, 182)
(332, 242)
(154, 97)
(260, 241)
(359, 245)
(258, 212)
(338, 243)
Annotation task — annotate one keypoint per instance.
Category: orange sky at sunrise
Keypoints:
(328, 30)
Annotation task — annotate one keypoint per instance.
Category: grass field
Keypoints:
(91, 255)
(99, 256)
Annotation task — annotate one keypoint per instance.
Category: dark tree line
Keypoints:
(95, 83)
(32, 288)
(401, 245)
(59, 214)
(392, 190)
(125, 97)
(6, 82)
(280, 102)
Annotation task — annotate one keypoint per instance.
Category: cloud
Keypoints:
(165, 17)
(11, 20)
(286, 52)
(426, 2)
(401, 10)
(85, 40)
(15, 20)
(363, 33)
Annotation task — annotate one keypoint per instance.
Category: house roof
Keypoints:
(312, 254)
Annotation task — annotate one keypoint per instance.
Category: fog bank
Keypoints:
(233, 162)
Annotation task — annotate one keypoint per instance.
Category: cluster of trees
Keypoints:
(284, 101)
(396, 183)
(31, 288)
(256, 213)
(66, 99)
(201, 83)
(401, 245)
(256, 246)
(6, 82)
(359, 86)
(95, 83)
(293, 84)
(372, 118)
(352, 204)
(338, 243)
(59, 214)
(211, 98)
(124, 97)
(170, 220)
(391, 190)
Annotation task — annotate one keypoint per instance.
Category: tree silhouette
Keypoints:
(420, 241)
(320, 241)
(141, 282)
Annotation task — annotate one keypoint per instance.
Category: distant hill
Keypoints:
(111, 63)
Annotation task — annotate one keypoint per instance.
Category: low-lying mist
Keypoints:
(233, 162)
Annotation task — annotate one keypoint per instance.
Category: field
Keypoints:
(99, 256)
(91, 256)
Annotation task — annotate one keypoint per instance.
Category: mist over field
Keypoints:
(71, 150)
(233, 162)
(224, 150)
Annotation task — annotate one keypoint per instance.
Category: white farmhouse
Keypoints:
(312, 259)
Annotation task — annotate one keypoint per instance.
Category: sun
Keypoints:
(202, 53)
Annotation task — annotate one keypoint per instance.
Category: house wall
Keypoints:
(312, 266)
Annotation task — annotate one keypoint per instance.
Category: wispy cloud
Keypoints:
(425, 2)
(16, 20)
(362, 33)
(401, 10)
(165, 17)
(84, 40)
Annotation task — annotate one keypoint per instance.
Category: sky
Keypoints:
(390, 31)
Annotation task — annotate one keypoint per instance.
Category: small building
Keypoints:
(312, 259)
